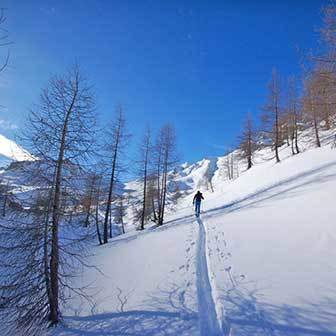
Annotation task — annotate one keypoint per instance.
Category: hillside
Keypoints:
(11, 151)
(259, 261)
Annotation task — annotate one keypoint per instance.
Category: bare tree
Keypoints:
(93, 199)
(60, 134)
(328, 35)
(324, 70)
(165, 160)
(88, 197)
(144, 170)
(152, 197)
(293, 114)
(116, 141)
(120, 212)
(272, 114)
(311, 103)
(97, 212)
(247, 141)
(229, 164)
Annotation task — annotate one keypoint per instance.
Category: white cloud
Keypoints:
(7, 125)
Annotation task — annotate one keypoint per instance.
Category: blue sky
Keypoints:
(201, 65)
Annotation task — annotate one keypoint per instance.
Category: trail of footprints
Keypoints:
(222, 256)
(188, 265)
(219, 251)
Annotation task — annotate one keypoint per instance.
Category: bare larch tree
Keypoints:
(272, 114)
(116, 141)
(311, 105)
(247, 141)
(59, 134)
(144, 171)
(293, 114)
(165, 160)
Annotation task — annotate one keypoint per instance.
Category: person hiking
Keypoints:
(197, 202)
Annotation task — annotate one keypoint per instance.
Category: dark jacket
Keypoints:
(198, 197)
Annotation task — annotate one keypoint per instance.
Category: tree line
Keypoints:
(76, 192)
(294, 105)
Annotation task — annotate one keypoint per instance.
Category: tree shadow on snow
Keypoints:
(247, 315)
(167, 314)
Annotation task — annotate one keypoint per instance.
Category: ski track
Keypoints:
(208, 321)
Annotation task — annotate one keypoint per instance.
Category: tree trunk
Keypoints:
(97, 226)
(110, 222)
(122, 225)
(88, 212)
(54, 259)
(142, 224)
(45, 247)
(159, 191)
(164, 187)
(249, 156)
(277, 133)
(327, 113)
(317, 136)
(164, 192)
(296, 142)
(109, 199)
(154, 210)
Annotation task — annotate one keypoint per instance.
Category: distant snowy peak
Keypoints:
(12, 151)
(197, 175)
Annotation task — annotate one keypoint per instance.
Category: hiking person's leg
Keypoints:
(198, 208)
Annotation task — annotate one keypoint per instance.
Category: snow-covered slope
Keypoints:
(259, 261)
(198, 175)
(11, 151)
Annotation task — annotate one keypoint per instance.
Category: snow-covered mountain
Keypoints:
(11, 151)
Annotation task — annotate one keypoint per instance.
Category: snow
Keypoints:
(259, 261)
(209, 321)
(278, 246)
(155, 275)
(9, 150)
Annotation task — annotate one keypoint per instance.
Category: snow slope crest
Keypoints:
(12, 151)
